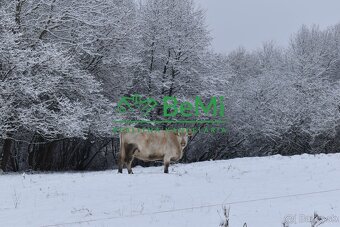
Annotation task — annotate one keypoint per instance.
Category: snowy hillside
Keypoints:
(259, 191)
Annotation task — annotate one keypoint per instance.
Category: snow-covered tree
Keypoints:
(286, 89)
(43, 89)
(173, 43)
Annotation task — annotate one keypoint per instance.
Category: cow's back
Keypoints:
(152, 145)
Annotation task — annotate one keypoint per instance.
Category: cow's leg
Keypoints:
(166, 164)
(130, 149)
(121, 156)
(166, 167)
(129, 166)
(120, 164)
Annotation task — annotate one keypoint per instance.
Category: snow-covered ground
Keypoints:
(259, 191)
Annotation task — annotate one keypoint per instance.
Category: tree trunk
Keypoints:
(6, 153)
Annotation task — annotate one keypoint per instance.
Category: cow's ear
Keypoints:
(176, 132)
(190, 133)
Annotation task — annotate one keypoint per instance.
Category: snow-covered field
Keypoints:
(259, 191)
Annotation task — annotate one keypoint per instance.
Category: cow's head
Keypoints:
(183, 135)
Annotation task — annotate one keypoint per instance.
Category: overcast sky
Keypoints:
(248, 23)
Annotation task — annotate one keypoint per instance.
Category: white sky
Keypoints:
(249, 23)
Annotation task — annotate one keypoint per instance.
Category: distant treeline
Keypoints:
(65, 64)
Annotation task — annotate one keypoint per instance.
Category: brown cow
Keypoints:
(151, 146)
